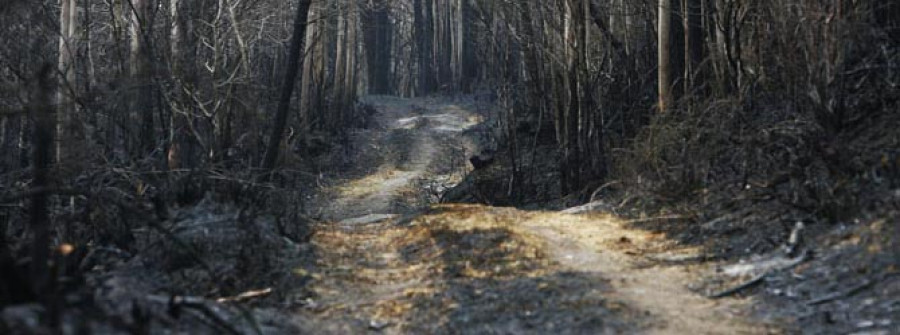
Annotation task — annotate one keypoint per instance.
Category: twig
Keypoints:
(838, 295)
(601, 188)
(246, 295)
(583, 208)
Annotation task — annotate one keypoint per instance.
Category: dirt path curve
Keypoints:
(391, 263)
(411, 142)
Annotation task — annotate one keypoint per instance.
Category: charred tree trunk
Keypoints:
(424, 32)
(693, 41)
(287, 88)
(44, 134)
(142, 104)
(182, 147)
(377, 38)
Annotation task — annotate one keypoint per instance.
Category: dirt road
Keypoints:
(390, 261)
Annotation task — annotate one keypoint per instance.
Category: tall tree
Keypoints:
(69, 151)
(181, 152)
(664, 44)
(378, 39)
(424, 37)
(140, 70)
(44, 135)
(315, 62)
(693, 41)
(287, 87)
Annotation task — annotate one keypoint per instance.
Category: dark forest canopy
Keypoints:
(197, 82)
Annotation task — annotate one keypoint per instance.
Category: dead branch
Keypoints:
(246, 295)
(740, 287)
(842, 294)
(683, 258)
(759, 278)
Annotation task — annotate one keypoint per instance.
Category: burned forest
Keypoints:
(449, 167)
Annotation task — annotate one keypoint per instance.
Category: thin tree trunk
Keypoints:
(68, 152)
(44, 130)
(371, 31)
(313, 62)
(140, 71)
(182, 146)
(664, 44)
(287, 88)
(340, 69)
(91, 69)
(352, 25)
(693, 41)
(377, 41)
(419, 38)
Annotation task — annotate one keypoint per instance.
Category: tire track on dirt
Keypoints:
(389, 262)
